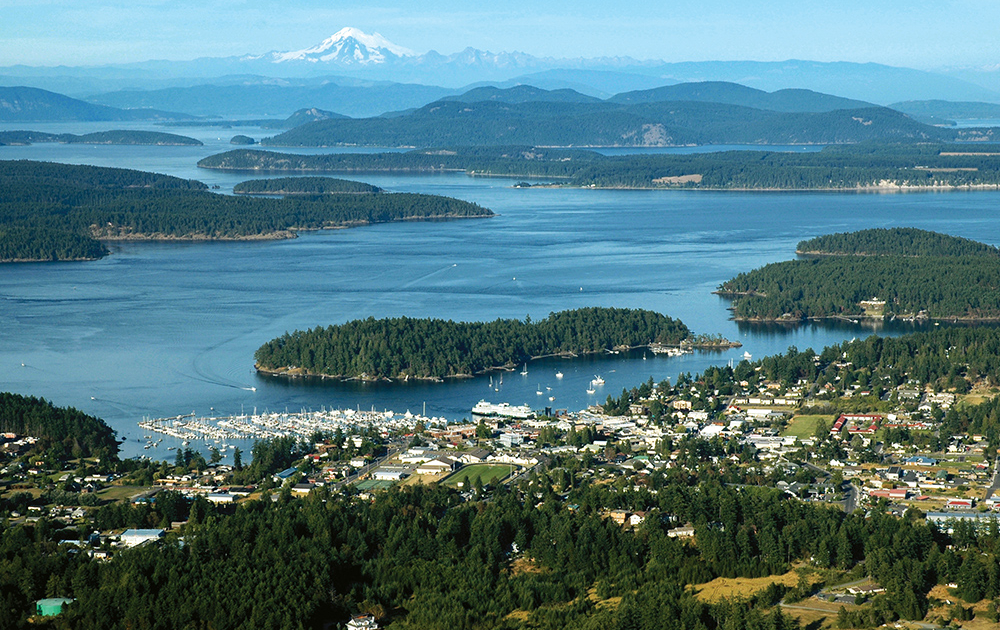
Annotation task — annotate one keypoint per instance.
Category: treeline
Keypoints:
(864, 166)
(60, 212)
(115, 136)
(415, 557)
(426, 348)
(898, 241)
(303, 186)
(63, 432)
(551, 123)
(420, 557)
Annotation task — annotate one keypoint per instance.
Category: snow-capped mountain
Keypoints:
(365, 69)
(348, 46)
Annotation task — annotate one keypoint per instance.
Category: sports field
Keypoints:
(487, 472)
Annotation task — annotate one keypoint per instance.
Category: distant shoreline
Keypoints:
(874, 188)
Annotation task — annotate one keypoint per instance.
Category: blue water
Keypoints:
(165, 329)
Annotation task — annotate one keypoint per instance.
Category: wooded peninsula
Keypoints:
(404, 347)
(115, 136)
(64, 212)
(862, 167)
(877, 274)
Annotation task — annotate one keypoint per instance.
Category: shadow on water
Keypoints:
(863, 327)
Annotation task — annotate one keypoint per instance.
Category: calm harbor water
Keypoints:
(167, 329)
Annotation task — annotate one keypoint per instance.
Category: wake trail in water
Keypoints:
(203, 377)
(118, 405)
(428, 275)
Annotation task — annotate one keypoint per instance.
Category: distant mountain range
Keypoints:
(351, 62)
(661, 117)
(710, 112)
(26, 104)
(260, 97)
(940, 111)
(787, 100)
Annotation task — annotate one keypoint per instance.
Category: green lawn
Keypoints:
(487, 472)
(805, 426)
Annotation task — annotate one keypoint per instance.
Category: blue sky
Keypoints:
(926, 35)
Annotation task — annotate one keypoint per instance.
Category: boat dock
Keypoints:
(266, 425)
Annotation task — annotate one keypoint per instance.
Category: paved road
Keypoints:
(817, 469)
(367, 468)
(852, 499)
(996, 480)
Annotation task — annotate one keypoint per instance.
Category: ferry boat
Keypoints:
(502, 410)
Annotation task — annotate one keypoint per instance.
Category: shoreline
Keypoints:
(955, 319)
(872, 188)
(290, 233)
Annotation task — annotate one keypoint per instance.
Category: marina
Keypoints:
(266, 425)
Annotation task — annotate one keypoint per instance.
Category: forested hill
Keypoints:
(63, 433)
(547, 123)
(59, 212)
(894, 242)
(787, 100)
(872, 166)
(915, 274)
(115, 136)
(433, 348)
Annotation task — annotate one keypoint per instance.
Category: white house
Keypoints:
(437, 466)
(136, 537)
(388, 473)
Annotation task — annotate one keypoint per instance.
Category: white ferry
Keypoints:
(502, 410)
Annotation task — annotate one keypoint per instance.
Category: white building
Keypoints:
(136, 537)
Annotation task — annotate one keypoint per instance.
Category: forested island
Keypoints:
(64, 212)
(115, 136)
(282, 186)
(894, 242)
(403, 347)
(878, 274)
(866, 167)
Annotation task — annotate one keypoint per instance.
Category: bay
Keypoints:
(165, 329)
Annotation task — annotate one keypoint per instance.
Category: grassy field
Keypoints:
(741, 588)
(487, 472)
(944, 610)
(115, 493)
(805, 426)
